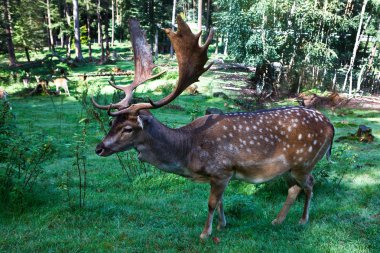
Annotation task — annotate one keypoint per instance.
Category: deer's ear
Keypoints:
(144, 120)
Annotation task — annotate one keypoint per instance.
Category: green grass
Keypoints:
(154, 211)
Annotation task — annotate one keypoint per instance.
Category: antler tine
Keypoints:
(112, 83)
(102, 107)
(209, 39)
(110, 106)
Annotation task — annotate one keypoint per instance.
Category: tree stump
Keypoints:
(364, 134)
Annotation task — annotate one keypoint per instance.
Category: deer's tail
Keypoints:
(328, 153)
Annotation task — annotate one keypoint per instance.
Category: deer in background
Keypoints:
(60, 82)
(44, 83)
(254, 146)
(3, 94)
(26, 80)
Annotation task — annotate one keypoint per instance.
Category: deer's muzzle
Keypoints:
(102, 150)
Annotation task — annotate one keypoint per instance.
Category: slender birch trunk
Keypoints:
(200, 3)
(173, 24)
(356, 46)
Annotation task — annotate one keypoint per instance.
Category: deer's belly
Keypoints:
(261, 171)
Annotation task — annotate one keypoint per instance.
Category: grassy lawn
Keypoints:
(140, 209)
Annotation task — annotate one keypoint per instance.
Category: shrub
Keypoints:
(21, 156)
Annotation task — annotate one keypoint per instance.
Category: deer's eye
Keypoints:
(127, 129)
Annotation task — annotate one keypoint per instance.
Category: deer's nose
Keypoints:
(99, 149)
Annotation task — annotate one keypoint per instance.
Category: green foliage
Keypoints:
(83, 35)
(22, 158)
(307, 37)
(319, 54)
(344, 162)
(165, 89)
(28, 24)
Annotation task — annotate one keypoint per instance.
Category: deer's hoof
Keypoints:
(221, 226)
(204, 236)
(276, 222)
(302, 221)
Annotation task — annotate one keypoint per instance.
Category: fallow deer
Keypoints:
(254, 146)
(61, 82)
(3, 94)
(44, 83)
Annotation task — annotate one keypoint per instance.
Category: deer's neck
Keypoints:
(165, 148)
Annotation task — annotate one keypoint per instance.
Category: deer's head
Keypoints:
(130, 121)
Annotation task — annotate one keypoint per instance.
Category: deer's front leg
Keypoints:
(217, 188)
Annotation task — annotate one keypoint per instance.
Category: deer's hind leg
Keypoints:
(306, 181)
(67, 90)
(221, 217)
(293, 192)
(307, 185)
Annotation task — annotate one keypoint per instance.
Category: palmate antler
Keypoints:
(143, 67)
(191, 61)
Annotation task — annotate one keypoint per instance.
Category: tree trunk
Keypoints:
(151, 23)
(368, 67)
(334, 81)
(78, 50)
(173, 24)
(51, 37)
(208, 20)
(360, 77)
(88, 24)
(68, 49)
(225, 52)
(118, 14)
(47, 32)
(216, 43)
(263, 35)
(200, 3)
(68, 38)
(349, 8)
(106, 31)
(8, 34)
(113, 23)
(156, 44)
(62, 40)
(100, 34)
(27, 53)
(192, 7)
(356, 46)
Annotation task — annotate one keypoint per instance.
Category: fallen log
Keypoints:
(124, 73)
